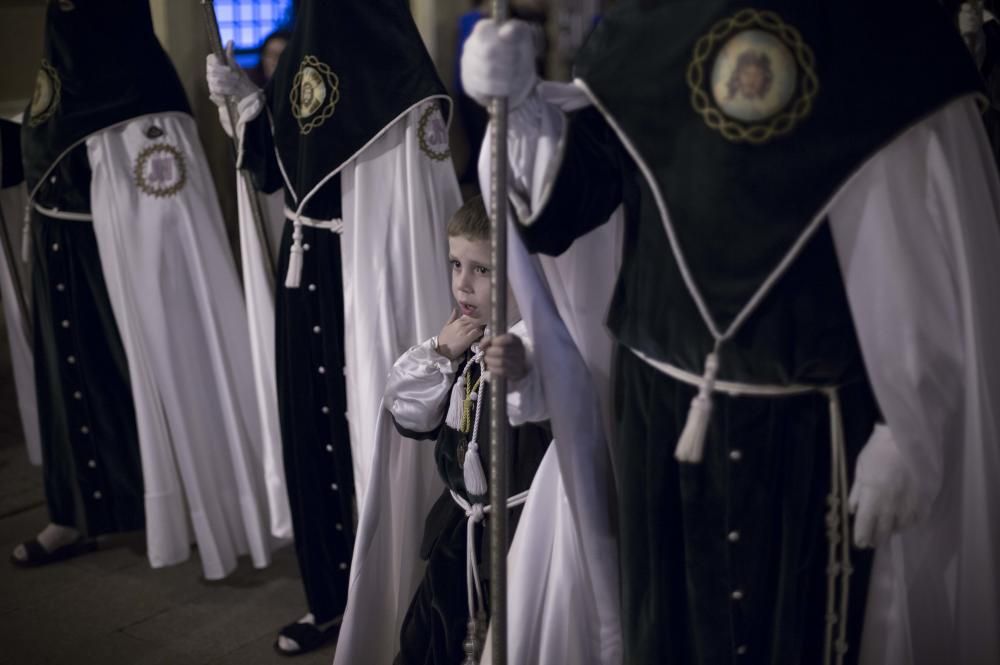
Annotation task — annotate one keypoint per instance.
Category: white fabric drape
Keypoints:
(396, 205)
(19, 331)
(918, 237)
(258, 290)
(177, 300)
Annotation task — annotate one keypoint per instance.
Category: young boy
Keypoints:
(437, 390)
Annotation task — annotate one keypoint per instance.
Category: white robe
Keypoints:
(396, 206)
(917, 235)
(19, 331)
(174, 290)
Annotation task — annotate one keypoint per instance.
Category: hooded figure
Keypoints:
(112, 155)
(801, 318)
(353, 127)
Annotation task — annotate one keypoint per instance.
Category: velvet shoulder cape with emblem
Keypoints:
(101, 65)
(351, 68)
(740, 192)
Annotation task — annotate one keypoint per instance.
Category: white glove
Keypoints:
(884, 497)
(970, 26)
(499, 61)
(227, 80)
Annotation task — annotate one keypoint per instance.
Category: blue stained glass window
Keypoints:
(248, 22)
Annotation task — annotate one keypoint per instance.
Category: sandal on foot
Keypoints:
(37, 555)
(308, 636)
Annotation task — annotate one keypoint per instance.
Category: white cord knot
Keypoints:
(477, 512)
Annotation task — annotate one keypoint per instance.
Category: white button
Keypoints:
(317, 329)
(334, 486)
(325, 410)
(343, 566)
(60, 287)
(321, 369)
(736, 455)
(312, 287)
(71, 360)
(741, 650)
(97, 494)
(65, 323)
(53, 180)
(734, 536)
(737, 595)
(84, 430)
(92, 464)
(55, 247)
(305, 247)
(338, 526)
(77, 395)
(329, 448)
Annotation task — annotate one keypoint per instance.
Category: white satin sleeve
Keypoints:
(917, 233)
(418, 387)
(525, 398)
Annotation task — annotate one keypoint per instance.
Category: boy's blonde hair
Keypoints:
(471, 220)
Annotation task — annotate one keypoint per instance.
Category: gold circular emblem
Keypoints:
(432, 134)
(762, 81)
(45, 99)
(315, 93)
(160, 170)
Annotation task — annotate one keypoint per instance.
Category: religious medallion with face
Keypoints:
(761, 82)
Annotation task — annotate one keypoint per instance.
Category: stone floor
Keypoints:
(111, 608)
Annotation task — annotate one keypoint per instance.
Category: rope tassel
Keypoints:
(475, 479)
(455, 406)
(691, 445)
(294, 276)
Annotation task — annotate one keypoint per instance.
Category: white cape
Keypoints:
(396, 205)
(258, 289)
(920, 268)
(19, 331)
(177, 301)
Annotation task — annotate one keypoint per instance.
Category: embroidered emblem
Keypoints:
(160, 170)
(762, 81)
(45, 99)
(315, 93)
(432, 134)
(154, 132)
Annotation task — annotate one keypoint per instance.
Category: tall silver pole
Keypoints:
(215, 42)
(499, 454)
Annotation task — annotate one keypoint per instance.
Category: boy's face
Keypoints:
(470, 276)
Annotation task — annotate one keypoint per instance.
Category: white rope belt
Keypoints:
(62, 214)
(838, 570)
(475, 513)
(333, 225)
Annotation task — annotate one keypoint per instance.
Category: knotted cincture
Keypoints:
(294, 276)
(691, 445)
(26, 234)
(460, 418)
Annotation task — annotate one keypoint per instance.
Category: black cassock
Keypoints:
(435, 623)
(90, 445)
